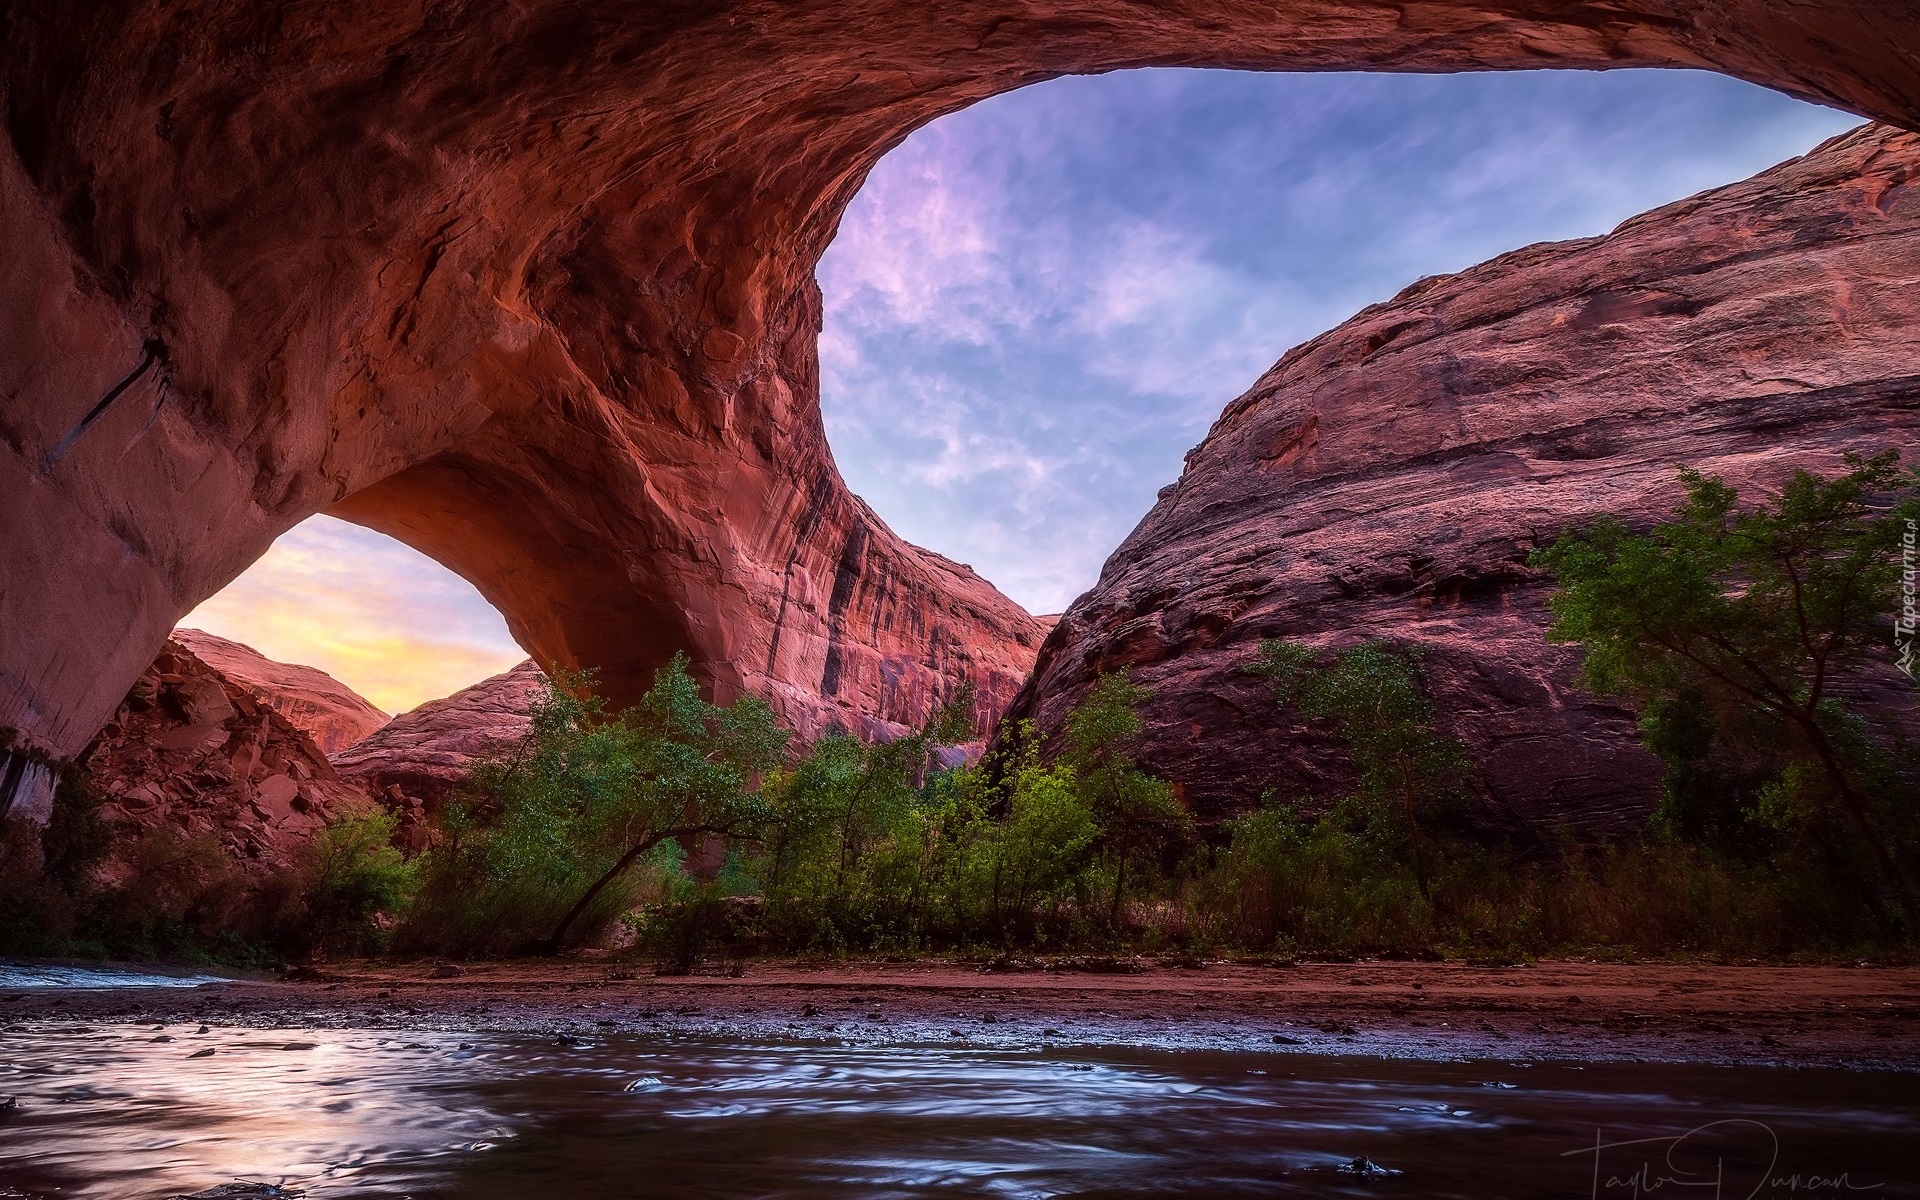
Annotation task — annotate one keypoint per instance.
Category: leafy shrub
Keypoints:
(1737, 628)
(541, 844)
(353, 884)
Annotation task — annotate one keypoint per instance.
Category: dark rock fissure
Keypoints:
(154, 350)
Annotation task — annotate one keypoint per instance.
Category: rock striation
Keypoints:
(422, 753)
(1389, 478)
(529, 285)
(194, 752)
(328, 711)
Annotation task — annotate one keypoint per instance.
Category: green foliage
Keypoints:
(541, 843)
(1293, 885)
(1042, 849)
(1141, 818)
(876, 848)
(1286, 882)
(80, 887)
(354, 883)
(1374, 695)
(1737, 629)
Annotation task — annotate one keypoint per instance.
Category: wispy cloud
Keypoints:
(1036, 306)
(383, 619)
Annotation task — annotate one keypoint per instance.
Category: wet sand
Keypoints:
(1863, 1017)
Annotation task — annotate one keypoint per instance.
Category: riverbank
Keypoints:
(1864, 1017)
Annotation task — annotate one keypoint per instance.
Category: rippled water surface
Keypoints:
(121, 1111)
(19, 977)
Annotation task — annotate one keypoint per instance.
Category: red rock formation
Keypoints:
(425, 751)
(529, 285)
(1389, 478)
(331, 713)
(191, 749)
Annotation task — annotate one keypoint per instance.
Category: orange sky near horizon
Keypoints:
(382, 618)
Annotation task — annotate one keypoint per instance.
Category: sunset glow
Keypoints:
(380, 617)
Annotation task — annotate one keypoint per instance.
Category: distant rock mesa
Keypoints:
(332, 713)
(422, 753)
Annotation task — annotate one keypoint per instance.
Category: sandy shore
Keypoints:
(1864, 1017)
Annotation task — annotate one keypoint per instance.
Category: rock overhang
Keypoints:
(529, 286)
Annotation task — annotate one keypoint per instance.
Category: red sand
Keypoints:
(1865, 1017)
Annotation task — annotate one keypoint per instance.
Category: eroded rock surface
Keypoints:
(331, 713)
(1389, 478)
(529, 285)
(424, 752)
(192, 752)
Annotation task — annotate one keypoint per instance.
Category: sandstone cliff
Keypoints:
(328, 711)
(424, 752)
(1389, 478)
(193, 750)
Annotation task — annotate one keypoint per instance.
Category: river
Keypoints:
(130, 1111)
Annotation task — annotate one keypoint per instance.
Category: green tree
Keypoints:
(1138, 814)
(351, 873)
(1032, 831)
(683, 769)
(537, 839)
(854, 837)
(1374, 693)
(1734, 625)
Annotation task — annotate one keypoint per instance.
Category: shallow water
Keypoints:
(31, 976)
(110, 1111)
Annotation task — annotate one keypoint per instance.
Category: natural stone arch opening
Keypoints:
(379, 618)
(392, 264)
(533, 566)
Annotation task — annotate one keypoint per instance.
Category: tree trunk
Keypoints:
(1856, 808)
(1413, 836)
(551, 943)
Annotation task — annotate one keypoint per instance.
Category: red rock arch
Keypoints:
(529, 285)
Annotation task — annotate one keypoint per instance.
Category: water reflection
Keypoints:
(26, 977)
(124, 1111)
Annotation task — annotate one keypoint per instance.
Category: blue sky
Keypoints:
(1036, 306)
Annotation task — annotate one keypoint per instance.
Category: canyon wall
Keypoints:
(528, 284)
(192, 755)
(1390, 478)
(331, 713)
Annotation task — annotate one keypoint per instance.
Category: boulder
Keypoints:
(193, 750)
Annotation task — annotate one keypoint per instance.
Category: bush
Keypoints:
(539, 848)
(353, 885)
(1737, 629)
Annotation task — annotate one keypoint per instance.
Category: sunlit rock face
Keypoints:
(424, 752)
(529, 286)
(1390, 478)
(195, 755)
(331, 713)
